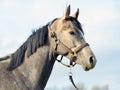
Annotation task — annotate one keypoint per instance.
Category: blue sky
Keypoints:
(101, 24)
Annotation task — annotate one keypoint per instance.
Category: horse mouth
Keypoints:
(86, 69)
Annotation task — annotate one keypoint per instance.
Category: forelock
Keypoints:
(75, 22)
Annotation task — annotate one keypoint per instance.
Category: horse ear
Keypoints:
(67, 13)
(76, 14)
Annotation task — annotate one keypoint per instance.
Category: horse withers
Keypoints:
(30, 66)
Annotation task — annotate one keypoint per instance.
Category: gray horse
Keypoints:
(30, 66)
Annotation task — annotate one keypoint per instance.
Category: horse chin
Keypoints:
(86, 68)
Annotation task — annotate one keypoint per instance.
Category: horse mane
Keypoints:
(36, 40)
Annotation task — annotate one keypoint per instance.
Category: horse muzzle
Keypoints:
(86, 58)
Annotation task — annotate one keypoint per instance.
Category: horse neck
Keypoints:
(37, 68)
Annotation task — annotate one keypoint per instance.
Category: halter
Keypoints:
(73, 52)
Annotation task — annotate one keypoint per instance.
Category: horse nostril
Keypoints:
(91, 60)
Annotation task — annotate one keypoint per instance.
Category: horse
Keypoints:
(30, 66)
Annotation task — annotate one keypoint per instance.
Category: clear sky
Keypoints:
(101, 23)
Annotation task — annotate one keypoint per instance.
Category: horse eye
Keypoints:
(72, 33)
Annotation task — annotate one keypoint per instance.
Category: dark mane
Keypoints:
(36, 40)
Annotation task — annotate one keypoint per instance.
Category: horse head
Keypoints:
(68, 38)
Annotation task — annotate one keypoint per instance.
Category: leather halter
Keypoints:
(73, 57)
(73, 52)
